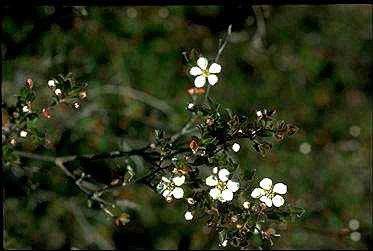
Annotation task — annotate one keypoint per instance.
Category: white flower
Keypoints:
(259, 113)
(171, 187)
(188, 215)
(23, 134)
(51, 83)
(223, 187)
(190, 105)
(268, 194)
(236, 147)
(202, 73)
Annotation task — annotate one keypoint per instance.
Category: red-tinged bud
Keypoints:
(29, 83)
(46, 113)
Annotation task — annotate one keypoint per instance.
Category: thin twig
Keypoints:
(229, 32)
(186, 129)
(220, 50)
(135, 94)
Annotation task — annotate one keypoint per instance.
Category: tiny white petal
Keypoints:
(215, 193)
(200, 81)
(195, 71)
(179, 180)
(246, 204)
(188, 215)
(257, 192)
(278, 201)
(165, 180)
(23, 134)
(266, 183)
(259, 113)
(202, 63)
(280, 188)
(190, 105)
(211, 180)
(212, 78)
(166, 193)
(227, 195)
(178, 193)
(215, 170)
(215, 68)
(233, 186)
(223, 175)
(25, 108)
(51, 83)
(236, 147)
(266, 200)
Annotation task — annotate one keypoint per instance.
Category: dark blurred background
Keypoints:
(312, 63)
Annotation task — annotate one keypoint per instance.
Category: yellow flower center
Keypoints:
(205, 73)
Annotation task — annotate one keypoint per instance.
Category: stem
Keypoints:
(186, 129)
(227, 36)
(229, 32)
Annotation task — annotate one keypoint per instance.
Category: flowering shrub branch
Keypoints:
(194, 165)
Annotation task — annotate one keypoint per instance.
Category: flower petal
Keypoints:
(266, 183)
(280, 188)
(211, 180)
(166, 193)
(215, 170)
(179, 180)
(212, 78)
(160, 187)
(165, 180)
(257, 192)
(200, 81)
(227, 195)
(202, 63)
(215, 68)
(233, 186)
(215, 193)
(266, 200)
(223, 175)
(278, 201)
(195, 71)
(178, 193)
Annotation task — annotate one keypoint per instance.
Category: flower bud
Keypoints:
(83, 95)
(51, 83)
(46, 113)
(29, 83)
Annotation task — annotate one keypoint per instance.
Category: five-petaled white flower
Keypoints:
(171, 187)
(202, 72)
(223, 187)
(267, 193)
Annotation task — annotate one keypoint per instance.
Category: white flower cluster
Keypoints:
(171, 187)
(202, 72)
(267, 194)
(223, 187)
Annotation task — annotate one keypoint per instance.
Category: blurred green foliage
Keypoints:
(312, 63)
